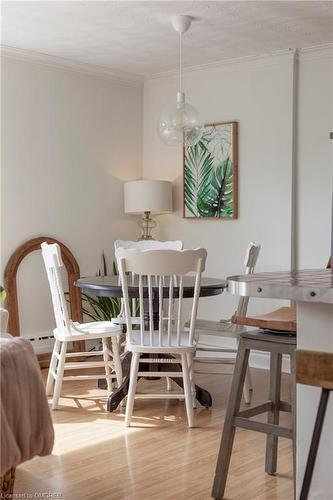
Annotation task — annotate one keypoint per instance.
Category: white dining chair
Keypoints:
(225, 328)
(155, 271)
(143, 245)
(67, 331)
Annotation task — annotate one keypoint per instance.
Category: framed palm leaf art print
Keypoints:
(210, 173)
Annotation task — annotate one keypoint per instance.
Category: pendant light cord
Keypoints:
(180, 61)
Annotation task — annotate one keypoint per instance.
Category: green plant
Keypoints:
(101, 308)
(2, 293)
(104, 308)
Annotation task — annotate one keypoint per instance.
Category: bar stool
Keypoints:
(276, 344)
(314, 368)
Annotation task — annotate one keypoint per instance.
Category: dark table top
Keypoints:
(108, 286)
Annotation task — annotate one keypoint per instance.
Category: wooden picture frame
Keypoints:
(209, 167)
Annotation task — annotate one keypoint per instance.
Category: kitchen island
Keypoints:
(312, 290)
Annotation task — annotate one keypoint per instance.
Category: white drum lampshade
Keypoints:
(147, 196)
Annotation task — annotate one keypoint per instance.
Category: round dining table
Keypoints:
(109, 286)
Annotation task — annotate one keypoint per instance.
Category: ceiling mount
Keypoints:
(181, 23)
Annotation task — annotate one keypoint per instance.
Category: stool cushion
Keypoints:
(282, 319)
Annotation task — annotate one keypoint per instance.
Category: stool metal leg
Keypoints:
(274, 414)
(228, 433)
(293, 411)
(314, 444)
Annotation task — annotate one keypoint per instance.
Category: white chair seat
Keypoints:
(222, 328)
(93, 330)
(183, 346)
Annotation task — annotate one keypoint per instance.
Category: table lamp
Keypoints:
(147, 197)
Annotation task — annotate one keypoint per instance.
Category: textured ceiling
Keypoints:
(137, 37)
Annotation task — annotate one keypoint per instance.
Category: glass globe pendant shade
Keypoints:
(180, 124)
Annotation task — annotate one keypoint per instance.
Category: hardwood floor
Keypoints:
(158, 458)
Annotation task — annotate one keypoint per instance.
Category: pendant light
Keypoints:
(180, 123)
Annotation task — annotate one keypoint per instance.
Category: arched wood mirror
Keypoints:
(10, 278)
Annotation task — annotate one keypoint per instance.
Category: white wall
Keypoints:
(315, 158)
(257, 94)
(68, 142)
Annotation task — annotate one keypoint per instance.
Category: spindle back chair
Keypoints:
(67, 331)
(142, 245)
(160, 276)
(225, 328)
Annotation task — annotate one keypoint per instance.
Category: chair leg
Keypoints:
(190, 364)
(117, 361)
(132, 388)
(273, 415)
(59, 376)
(228, 433)
(318, 427)
(187, 391)
(169, 384)
(107, 360)
(52, 367)
(249, 377)
(247, 390)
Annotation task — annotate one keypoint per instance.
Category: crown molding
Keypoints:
(119, 77)
(135, 80)
(317, 51)
(267, 59)
(257, 60)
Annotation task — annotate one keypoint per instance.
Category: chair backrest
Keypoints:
(53, 262)
(251, 257)
(145, 245)
(149, 245)
(156, 272)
